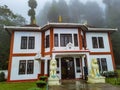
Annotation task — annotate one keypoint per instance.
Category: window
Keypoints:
(26, 66)
(78, 65)
(31, 42)
(94, 42)
(56, 40)
(27, 42)
(47, 41)
(23, 42)
(97, 42)
(100, 40)
(75, 40)
(65, 39)
(22, 66)
(102, 64)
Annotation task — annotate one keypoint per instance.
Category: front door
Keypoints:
(67, 68)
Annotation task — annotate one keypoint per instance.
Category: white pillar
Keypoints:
(45, 66)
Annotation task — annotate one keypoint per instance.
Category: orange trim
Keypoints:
(30, 80)
(110, 43)
(47, 53)
(99, 53)
(10, 57)
(51, 40)
(42, 68)
(69, 51)
(80, 38)
(43, 44)
(24, 54)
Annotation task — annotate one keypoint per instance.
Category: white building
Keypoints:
(72, 45)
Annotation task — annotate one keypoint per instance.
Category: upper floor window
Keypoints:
(56, 40)
(97, 42)
(47, 43)
(26, 66)
(75, 40)
(65, 39)
(27, 42)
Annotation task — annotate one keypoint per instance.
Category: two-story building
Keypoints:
(72, 45)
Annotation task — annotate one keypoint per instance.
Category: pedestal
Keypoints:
(53, 81)
(96, 79)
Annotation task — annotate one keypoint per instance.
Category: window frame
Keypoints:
(97, 42)
(26, 64)
(65, 39)
(27, 42)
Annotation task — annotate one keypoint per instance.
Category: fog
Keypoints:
(21, 6)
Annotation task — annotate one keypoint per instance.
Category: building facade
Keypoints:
(72, 45)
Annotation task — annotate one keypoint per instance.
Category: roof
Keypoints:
(58, 25)
(19, 28)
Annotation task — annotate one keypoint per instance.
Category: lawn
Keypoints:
(18, 86)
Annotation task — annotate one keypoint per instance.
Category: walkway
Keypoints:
(82, 85)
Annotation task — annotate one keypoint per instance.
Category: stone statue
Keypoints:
(94, 68)
(53, 78)
(53, 68)
(94, 75)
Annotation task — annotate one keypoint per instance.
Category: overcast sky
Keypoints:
(21, 6)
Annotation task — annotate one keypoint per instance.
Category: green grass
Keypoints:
(19, 86)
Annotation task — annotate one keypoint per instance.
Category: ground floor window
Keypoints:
(102, 64)
(26, 66)
(78, 65)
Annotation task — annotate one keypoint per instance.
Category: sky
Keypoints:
(21, 6)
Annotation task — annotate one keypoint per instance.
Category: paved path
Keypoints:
(82, 85)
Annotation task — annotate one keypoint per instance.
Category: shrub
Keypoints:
(43, 78)
(2, 76)
(41, 83)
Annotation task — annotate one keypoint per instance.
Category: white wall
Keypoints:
(105, 40)
(17, 42)
(15, 69)
(108, 60)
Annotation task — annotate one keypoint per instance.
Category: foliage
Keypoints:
(7, 17)
(112, 19)
(113, 81)
(2, 76)
(43, 78)
(41, 83)
(72, 12)
(110, 74)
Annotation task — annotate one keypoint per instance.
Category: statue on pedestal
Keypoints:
(94, 75)
(53, 68)
(53, 79)
(94, 69)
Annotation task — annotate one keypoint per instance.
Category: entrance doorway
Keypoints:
(67, 68)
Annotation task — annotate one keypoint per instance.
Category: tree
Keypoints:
(32, 4)
(112, 13)
(76, 9)
(7, 17)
